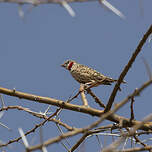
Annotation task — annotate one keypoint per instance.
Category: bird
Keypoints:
(86, 75)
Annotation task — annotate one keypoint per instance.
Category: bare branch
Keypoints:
(132, 109)
(90, 132)
(135, 149)
(114, 145)
(139, 125)
(39, 115)
(64, 4)
(51, 101)
(87, 110)
(83, 97)
(127, 67)
(97, 100)
(36, 3)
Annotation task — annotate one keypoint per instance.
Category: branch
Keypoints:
(38, 2)
(39, 115)
(63, 3)
(136, 149)
(91, 111)
(126, 69)
(51, 101)
(138, 125)
(90, 132)
(114, 145)
(97, 100)
(83, 97)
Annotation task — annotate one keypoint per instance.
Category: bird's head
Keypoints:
(68, 64)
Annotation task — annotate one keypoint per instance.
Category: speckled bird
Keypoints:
(86, 75)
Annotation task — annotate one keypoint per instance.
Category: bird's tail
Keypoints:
(108, 81)
(122, 81)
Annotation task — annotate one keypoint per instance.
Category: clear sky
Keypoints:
(32, 49)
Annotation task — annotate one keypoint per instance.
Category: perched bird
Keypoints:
(86, 75)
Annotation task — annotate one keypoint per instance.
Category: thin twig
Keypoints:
(139, 125)
(90, 132)
(135, 149)
(51, 101)
(126, 69)
(69, 100)
(83, 97)
(39, 115)
(114, 145)
(91, 111)
(97, 100)
(132, 109)
(138, 141)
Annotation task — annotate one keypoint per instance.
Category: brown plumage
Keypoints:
(86, 75)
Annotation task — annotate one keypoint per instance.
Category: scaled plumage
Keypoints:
(86, 75)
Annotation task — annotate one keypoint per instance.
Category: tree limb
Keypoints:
(126, 69)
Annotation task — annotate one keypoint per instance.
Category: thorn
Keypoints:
(14, 90)
(25, 142)
(112, 8)
(44, 149)
(68, 8)
(35, 98)
(150, 38)
(5, 126)
(2, 101)
(20, 11)
(46, 111)
(1, 114)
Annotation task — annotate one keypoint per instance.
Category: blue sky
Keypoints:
(33, 49)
